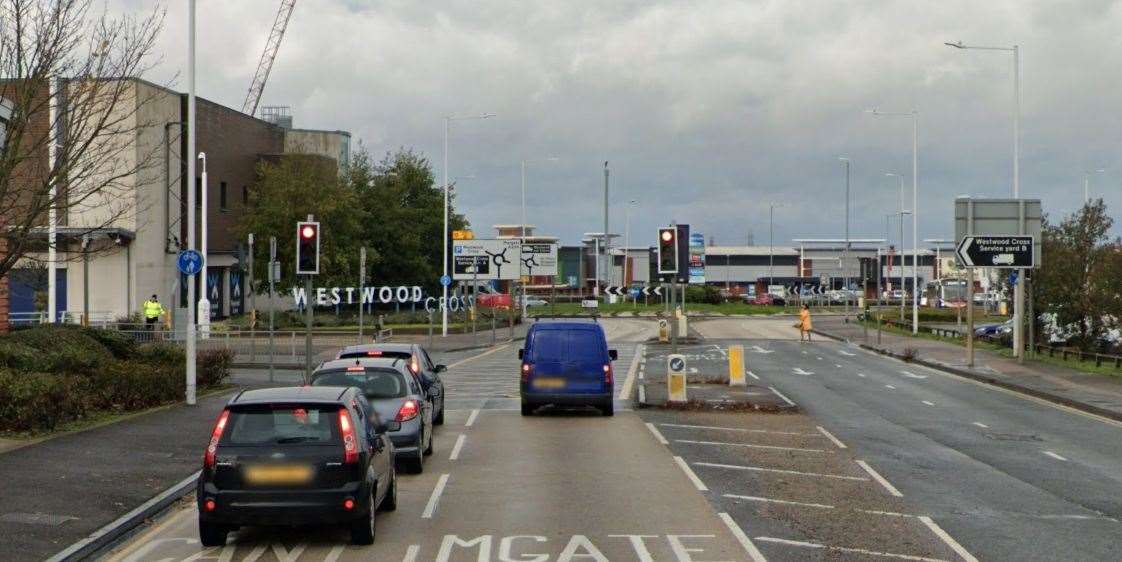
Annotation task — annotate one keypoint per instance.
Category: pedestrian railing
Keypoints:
(1067, 353)
(26, 318)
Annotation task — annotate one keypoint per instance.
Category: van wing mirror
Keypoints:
(521, 353)
(613, 354)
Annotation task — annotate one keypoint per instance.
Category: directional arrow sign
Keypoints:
(996, 251)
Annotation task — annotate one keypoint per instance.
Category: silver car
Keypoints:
(396, 395)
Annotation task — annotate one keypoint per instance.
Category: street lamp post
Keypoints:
(444, 257)
(771, 241)
(190, 345)
(1018, 288)
(626, 239)
(204, 298)
(523, 241)
(914, 116)
(902, 212)
(1087, 184)
(845, 259)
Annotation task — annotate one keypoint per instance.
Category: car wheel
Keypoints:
(415, 464)
(362, 529)
(211, 534)
(432, 440)
(608, 409)
(439, 419)
(389, 502)
(527, 409)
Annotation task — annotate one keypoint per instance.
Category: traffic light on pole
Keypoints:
(307, 248)
(667, 250)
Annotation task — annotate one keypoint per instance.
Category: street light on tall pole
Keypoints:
(447, 123)
(914, 116)
(1018, 288)
(901, 213)
(845, 260)
(626, 238)
(1087, 184)
(190, 346)
(523, 241)
(771, 241)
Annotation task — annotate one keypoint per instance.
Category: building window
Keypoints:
(222, 196)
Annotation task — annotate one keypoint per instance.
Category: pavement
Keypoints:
(1096, 393)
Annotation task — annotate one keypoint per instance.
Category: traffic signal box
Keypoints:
(667, 251)
(307, 248)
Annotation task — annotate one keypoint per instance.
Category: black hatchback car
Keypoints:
(296, 456)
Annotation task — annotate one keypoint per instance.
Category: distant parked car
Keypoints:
(769, 299)
(532, 301)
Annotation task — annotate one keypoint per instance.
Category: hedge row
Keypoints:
(55, 374)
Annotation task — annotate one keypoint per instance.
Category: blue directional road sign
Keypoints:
(1012, 277)
(445, 280)
(190, 262)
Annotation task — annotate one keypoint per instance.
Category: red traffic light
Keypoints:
(308, 231)
(667, 235)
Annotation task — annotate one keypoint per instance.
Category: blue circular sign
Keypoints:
(189, 262)
(445, 280)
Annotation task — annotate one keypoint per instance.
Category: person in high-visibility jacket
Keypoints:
(153, 310)
(804, 323)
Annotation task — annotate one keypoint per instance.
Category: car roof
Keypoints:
(303, 394)
(362, 348)
(565, 326)
(395, 363)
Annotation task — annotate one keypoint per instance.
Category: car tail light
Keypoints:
(526, 370)
(408, 411)
(348, 504)
(215, 436)
(607, 373)
(209, 505)
(350, 444)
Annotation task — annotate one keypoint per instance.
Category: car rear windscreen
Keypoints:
(375, 383)
(282, 425)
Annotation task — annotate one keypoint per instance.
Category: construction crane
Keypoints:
(266, 64)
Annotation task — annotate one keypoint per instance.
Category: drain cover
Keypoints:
(36, 518)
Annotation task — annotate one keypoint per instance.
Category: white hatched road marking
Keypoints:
(430, 508)
(625, 390)
(411, 553)
(912, 375)
(890, 387)
(737, 429)
(946, 538)
(753, 375)
(657, 434)
(805, 544)
(781, 471)
(471, 419)
(1055, 456)
(474, 357)
(831, 437)
(691, 474)
(742, 538)
(838, 365)
(800, 371)
(784, 502)
(780, 394)
(749, 445)
(929, 403)
(880, 479)
(456, 448)
(862, 375)
(981, 425)
(846, 353)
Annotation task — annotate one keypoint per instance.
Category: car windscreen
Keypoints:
(376, 353)
(282, 425)
(375, 383)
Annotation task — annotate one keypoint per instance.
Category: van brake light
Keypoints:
(608, 373)
(526, 370)
(215, 436)
(350, 444)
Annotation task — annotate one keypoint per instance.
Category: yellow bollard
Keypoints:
(663, 331)
(676, 378)
(736, 366)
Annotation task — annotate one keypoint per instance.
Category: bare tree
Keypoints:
(68, 78)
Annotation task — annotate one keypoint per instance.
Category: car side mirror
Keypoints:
(379, 428)
(439, 369)
(613, 354)
(521, 353)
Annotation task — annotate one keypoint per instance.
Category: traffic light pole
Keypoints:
(308, 329)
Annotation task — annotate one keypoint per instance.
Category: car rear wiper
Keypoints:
(300, 439)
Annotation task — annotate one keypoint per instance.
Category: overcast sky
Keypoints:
(706, 111)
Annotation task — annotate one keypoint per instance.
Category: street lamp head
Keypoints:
(957, 44)
(202, 156)
(891, 174)
(843, 158)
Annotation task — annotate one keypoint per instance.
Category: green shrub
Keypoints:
(37, 401)
(62, 349)
(213, 366)
(161, 352)
(137, 384)
(19, 356)
(119, 345)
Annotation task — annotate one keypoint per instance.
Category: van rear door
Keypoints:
(587, 355)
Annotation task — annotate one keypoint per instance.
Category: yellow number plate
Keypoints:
(278, 474)
(549, 383)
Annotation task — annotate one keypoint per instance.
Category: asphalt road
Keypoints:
(1006, 476)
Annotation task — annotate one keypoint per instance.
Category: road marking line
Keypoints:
(753, 375)
(690, 473)
(471, 419)
(819, 358)
(912, 375)
(742, 538)
(1054, 455)
(411, 553)
(456, 448)
(928, 403)
(800, 371)
(779, 394)
(838, 365)
(939, 532)
(805, 544)
(880, 479)
(720, 350)
(430, 508)
(737, 429)
(831, 437)
(844, 352)
(137, 543)
(748, 445)
(625, 390)
(890, 387)
(474, 357)
(657, 434)
(981, 425)
(862, 375)
(784, 502)
(889, 513)
(781, 471)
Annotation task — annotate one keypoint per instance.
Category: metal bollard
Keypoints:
(493, 337)
(292, 344)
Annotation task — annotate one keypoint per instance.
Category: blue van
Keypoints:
(566, 364)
